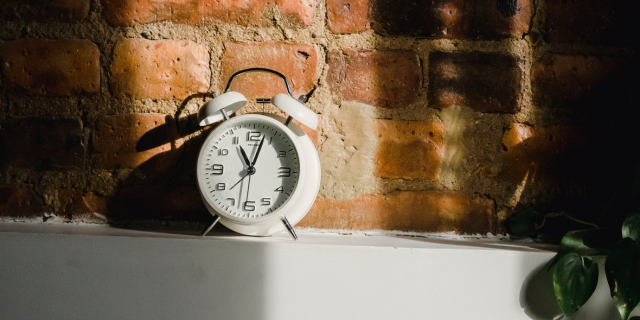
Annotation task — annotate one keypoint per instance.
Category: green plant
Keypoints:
(575, 271)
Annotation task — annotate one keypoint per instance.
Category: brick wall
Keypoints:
(436, 116)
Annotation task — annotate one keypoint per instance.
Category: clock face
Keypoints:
(253, 187)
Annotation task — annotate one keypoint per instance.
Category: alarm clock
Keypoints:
(258, 174)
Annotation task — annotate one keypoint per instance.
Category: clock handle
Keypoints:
(286, 82)
(289, 228)
(204, 233)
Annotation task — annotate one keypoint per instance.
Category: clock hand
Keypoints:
(248, 186)
(255, 158)
(244, 157)
(248, 173)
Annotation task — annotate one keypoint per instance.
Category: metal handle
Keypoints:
(259, 70)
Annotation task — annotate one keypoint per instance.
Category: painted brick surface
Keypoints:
(593, 22)
(388, 79)
(456, 19)
(18, 201)
(164, 69)
(298, 62)
(124, 13)
(147, 141)
(409, 149)
(35, 10)
(51, 67)
(579, 81)
(419, 211)
(45, 143)
(485, 82)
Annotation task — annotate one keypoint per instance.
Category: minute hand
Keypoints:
(255, 158)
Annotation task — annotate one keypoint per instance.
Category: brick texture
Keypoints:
(388, 79)
(36, 10)
(314, 135)
(45, 143)
(51, 67)
(409, 149)
(553, 153)
(593, 22)
(19, 202)
(164, 69)
(485, 82)
(418, 211)
(148, 141)
(298, 62)
(457, 19)
(77, 204)
(125, 13)
(580, 81)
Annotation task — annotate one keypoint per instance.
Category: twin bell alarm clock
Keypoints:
(258, 174)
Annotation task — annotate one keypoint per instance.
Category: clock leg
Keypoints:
(289, 228)
(204, 233)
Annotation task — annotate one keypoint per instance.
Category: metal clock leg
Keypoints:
(204, 233)
(289, 228)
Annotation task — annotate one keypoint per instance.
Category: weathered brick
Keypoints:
(418, 211)
(45, 143)
(298, 62)
(78, 204)
(147, 141)
(164, 69)
(457, 19)
(17, 201)
(485, 82)
(553, 153)
(409, 149)
(348, 16)
(388, 79)
(579, 81)
(314, 135)
(593, 22)
(51, 67)
(36, 10)
(158, 202)
(126, 13)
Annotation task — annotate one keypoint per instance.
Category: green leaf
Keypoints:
(586, 243)
(631, 227)
(525, 223)
(574, 280)
(623, 273)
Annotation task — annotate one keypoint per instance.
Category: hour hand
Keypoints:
(244, 157)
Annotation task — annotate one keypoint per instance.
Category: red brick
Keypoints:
(409, 149)
(158, 202)
(298, 62)
(51, 67)
(314, 135)
(457, 19)
(579, 81)
(45, 143)
(418, 211)
(20, 202)
(37, 10)
(164, 69)
(593, 22)
(485, 82)
(553, 153)
(142, 140)
(77, 204)
(388, 79)
(125, 13)
(348, 16)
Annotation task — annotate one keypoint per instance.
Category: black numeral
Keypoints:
(248, 206)
(218, 169)
(266, 201)
(223, 152)
(282, 154)
(284, 172)
(220, 186)
(280, 189)
(253, 136)
(233, 201)
(235, 140)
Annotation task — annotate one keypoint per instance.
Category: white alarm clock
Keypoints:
(258, 174)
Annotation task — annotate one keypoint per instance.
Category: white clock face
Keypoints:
(252, 187)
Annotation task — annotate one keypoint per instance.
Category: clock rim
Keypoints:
(302, 168)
